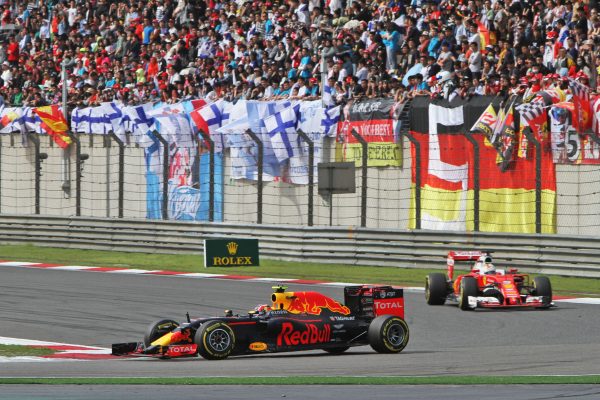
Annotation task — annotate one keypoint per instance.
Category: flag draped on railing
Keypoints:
(54, 124)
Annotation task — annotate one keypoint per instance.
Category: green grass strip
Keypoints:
(270, 268)
(316, 380)
(13, 350)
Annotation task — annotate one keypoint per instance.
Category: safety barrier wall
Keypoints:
(548, 254)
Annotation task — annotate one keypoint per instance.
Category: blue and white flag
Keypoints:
(327, 97)
(172, 122)
(311, 113)
(281, 128)
(331, 117)
(136, 121)
(212, 114)
(258, 112)
(99, 120)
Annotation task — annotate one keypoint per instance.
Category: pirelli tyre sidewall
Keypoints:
(435, 289)
(215, 340)
(468, 287)
(158, 329)
(388, 334)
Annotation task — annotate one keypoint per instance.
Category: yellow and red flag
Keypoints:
(55, 124)
(485, 37)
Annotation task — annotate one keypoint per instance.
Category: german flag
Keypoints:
(55, 124)
(507, 198)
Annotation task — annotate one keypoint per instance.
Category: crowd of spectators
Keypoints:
(172, 50)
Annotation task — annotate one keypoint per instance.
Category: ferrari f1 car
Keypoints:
(485, 286)
(293, 321)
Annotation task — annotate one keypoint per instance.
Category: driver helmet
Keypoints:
(262, 308)
(487, 266)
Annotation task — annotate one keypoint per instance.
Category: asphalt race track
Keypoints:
(313, 392)
(98, 309)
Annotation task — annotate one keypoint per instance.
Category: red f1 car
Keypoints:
(486, 286)
(293, 321)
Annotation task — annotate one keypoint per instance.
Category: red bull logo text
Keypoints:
(310, 335)
(307, 302)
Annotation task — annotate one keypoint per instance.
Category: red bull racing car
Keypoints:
(293, 321)
(485, 286)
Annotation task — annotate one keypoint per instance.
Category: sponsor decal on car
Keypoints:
(342, 318)
(181, 350)
(257, 346)
(390, 306)
(311, 334)
(307, 302)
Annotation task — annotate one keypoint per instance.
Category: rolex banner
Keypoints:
(231, 253)
(374, 120)
(507, 198)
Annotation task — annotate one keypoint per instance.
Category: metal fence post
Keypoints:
(211, 189)
(38, 167)
(165, 190)
(121, 171)
(259, 162)
(476, 178)
(417, 163)
(538, 177)
(363, 192)
(311, 174)
(79, 159)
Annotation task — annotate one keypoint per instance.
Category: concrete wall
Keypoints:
(578, 190)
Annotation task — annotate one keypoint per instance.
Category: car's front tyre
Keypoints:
(435, 289)
(543, 288)
(215, 340)
(158, 329)
(468, 287)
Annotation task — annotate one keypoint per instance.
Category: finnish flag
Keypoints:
(281, 127)
(212, 114)
(331, 117)
(328, 96)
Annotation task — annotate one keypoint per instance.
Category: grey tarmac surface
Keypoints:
(99, 309)
(314, 392)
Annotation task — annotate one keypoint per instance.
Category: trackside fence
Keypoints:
(538, 253)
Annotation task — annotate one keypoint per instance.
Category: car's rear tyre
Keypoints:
(158, 329)
(468, 287)
(336, 350)
(388, 334)
(543, 288)
(215, 340)
(435, 289)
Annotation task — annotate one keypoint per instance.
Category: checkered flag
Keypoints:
(530, 111)
(579, 90)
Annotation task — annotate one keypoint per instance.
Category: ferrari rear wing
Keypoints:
(461, 256)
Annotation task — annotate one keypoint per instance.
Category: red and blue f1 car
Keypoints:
(293, 321)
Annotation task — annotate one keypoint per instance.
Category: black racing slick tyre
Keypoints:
(215, 340)
(388, 334)
(468, 287)
(336, 350)
(435, 289)
(158, 329)
(543, 288)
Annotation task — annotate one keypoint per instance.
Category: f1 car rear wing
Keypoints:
(372, 301)
(462, 256)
